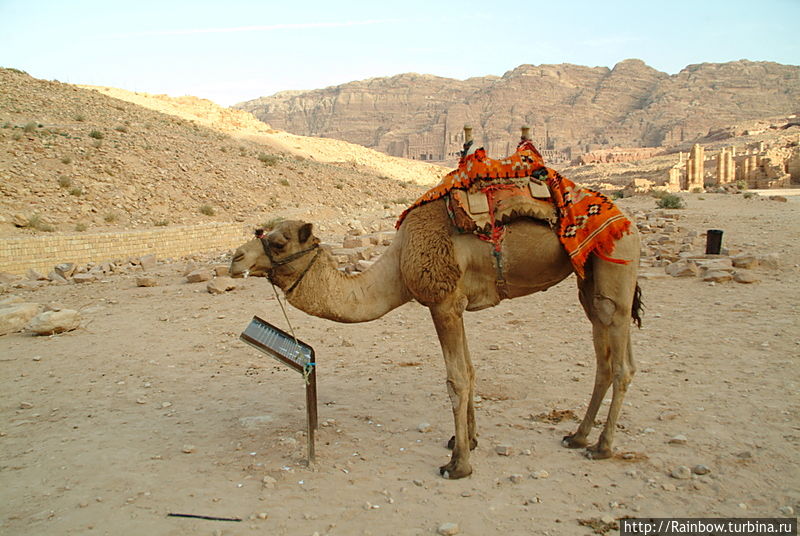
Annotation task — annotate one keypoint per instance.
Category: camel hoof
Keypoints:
(473, 443)
(596, 453)
(453, 472)
(572, 441)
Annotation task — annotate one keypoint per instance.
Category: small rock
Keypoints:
(188, 449)
(503, 450)
(198, 276)
(424, 427)
(65, 269)
(34, 275)
(147, 262)
(679, 439)
(779, 198)
(268, 482)
(84, 278)
(220, 271)
(786, 510)
(19, 220)
(25, 405)
(607, 519)
(262, 515)
(494, 347)
(701, 469)
(748, 262)
(745, 276)
(55, 277)
(448, 529)
(717, 276)
(220, 285)
(667, 486)
(681, 473)
(516, 478)
(51, 322)
(540, 474)
(146, 281)
(681, 269)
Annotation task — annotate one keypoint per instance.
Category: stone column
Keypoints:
(695, 168)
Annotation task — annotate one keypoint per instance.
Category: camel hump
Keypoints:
(428, 262)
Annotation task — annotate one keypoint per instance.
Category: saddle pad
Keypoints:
(471, 211)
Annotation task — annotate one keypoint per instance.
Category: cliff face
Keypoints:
(573, 109)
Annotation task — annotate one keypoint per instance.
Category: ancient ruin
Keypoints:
(758, 165)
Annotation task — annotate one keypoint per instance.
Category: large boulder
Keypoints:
(14, 317)
(51, 322)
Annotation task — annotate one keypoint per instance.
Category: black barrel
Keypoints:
(713, 241)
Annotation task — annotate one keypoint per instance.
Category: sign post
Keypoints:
(294, 353)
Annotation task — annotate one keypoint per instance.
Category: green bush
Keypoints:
(64, 181)
(80, 227)
(36, 222)
(77, 191)
(670, 201)
(284, 182)
(29, 127)
(111, 217)
(208, 210)
(96, 134)
(66, 160)
(268, 159)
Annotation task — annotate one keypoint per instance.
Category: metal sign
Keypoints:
(292, 352)
(278, 344)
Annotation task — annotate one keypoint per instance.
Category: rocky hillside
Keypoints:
(74, 159)
(243, 125)
(573, 109)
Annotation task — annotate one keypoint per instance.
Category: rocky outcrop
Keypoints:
(573, 109)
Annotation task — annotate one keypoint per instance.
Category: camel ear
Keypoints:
(305, 232)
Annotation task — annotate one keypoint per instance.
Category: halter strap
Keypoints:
(293, 257)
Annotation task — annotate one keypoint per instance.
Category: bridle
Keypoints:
(293, 257)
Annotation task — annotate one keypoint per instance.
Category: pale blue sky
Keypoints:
(238, 49)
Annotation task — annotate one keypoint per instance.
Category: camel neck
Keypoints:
(328, 293)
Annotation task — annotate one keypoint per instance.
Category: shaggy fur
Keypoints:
(428, 262)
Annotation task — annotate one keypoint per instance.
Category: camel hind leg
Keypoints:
(607, 295)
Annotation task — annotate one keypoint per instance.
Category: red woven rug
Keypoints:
(588, 222)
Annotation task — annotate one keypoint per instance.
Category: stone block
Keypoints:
(15, 317)
(51, 322)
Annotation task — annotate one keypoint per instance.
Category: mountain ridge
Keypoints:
(573, 109)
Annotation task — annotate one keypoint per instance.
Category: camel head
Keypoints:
(288, 240)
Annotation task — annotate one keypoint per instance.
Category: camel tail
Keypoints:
(637, 307)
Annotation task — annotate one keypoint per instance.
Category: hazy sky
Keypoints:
(238, 50)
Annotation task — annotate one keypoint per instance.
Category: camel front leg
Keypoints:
(448, 320)
(471, 427)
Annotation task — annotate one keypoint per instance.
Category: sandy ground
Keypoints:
(94, 422)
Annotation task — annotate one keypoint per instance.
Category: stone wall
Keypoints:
(18, 254)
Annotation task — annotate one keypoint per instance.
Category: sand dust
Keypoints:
(154, 407)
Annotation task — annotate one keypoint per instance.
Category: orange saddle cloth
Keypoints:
(586, 220)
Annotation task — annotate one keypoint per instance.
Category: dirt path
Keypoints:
(95, 422)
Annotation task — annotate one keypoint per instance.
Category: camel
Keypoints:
(450, 273)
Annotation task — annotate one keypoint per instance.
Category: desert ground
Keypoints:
(154, 406)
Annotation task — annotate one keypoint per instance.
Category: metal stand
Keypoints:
(295, 354)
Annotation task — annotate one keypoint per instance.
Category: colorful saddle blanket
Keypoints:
(587, 221)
